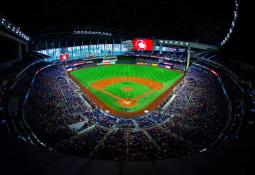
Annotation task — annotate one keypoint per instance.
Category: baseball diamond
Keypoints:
(125, 89)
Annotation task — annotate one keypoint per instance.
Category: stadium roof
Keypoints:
(206, 21)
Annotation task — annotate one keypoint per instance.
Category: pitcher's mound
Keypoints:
(126, 89)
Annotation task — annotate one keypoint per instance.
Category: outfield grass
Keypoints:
(87, 76)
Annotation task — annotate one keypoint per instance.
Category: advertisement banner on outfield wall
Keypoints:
(106, 63)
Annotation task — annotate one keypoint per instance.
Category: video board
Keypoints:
(142, 44)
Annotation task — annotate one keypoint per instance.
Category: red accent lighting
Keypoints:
(212, 71)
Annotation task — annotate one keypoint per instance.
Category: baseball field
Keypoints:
(125, 88)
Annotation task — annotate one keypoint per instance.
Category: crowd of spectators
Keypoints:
(175, 60)
(174, 56)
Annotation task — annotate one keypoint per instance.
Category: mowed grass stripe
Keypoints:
(89, 75)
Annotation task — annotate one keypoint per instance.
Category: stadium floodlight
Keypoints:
(203, 150)
(235, 13)
(16, 30)
(230, 31)
(2, 21)
(92, 32)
